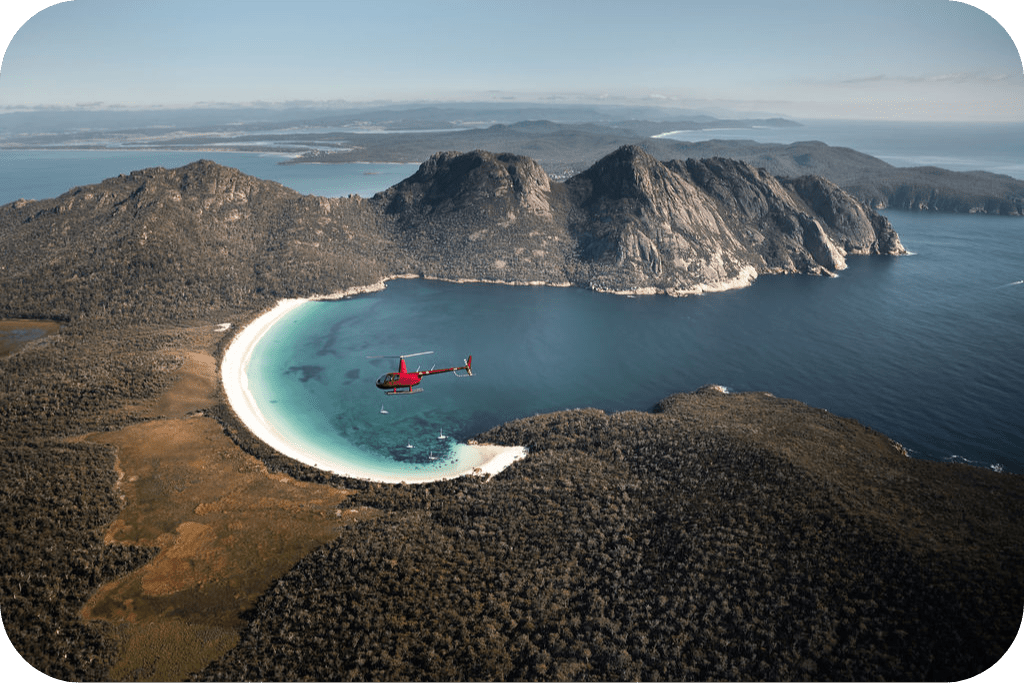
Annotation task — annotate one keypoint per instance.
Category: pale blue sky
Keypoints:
(884, 59)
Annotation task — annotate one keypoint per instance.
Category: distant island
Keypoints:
(149, 535)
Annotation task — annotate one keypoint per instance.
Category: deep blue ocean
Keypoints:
(926, 348)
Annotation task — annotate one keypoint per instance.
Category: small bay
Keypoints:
(925, 348)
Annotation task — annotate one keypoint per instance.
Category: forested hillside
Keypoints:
(721, 537)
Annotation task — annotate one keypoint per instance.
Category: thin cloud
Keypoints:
(958, 78)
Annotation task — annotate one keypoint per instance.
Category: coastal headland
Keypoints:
(170, 244)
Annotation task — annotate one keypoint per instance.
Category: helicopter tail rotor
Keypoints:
(468, 367)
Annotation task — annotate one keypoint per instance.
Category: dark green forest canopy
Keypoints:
(720, 537)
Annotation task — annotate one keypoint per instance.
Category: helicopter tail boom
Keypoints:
(468, 367)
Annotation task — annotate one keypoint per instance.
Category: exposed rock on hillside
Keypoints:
(628, 224)
(173, 244)
(482, 216)
(166, 244)
(710, 224)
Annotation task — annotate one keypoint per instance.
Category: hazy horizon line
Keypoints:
(720, 108)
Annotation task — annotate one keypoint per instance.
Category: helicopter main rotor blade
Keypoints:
(404, 355)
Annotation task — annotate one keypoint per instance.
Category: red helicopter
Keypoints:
(403, 381)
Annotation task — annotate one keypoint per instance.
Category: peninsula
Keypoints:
(149, 534)
(174, 244)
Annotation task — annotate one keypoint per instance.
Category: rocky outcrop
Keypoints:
(170, 244)
(709, 224)
(630, 223)
(481, 216)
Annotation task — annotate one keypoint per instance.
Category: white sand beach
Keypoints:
(472, 459)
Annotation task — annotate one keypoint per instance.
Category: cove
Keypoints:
(923, 348)
(536, 349)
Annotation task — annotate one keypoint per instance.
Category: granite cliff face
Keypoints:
(701, 225)
(629, 223)
(166, 244)
(481, 216)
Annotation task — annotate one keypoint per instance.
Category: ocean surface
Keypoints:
(45, 173)
(926, 348)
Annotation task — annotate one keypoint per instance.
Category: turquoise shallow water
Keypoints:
(925, 348)
(312, 381)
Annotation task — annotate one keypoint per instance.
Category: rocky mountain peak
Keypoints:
(628, 156)
(456, 180)
(627, 173)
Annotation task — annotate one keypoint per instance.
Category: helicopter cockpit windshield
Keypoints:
(387, 378)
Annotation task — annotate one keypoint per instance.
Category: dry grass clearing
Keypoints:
(225, 528)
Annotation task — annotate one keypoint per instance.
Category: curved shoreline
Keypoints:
(474, 459)
(478, 459)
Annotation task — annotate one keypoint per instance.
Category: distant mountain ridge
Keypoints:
(167, 244)
(565, 139)
(567, 149)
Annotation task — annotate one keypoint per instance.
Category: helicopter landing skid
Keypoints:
(396, 392)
